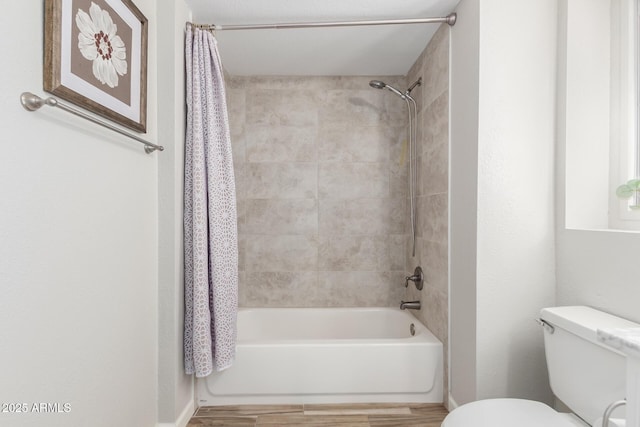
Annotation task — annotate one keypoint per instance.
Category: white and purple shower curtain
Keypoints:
(210, 228)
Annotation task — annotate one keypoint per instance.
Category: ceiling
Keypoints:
(365, 51)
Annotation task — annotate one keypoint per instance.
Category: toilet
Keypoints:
(584, 374)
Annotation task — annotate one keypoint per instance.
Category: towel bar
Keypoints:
(33, 102)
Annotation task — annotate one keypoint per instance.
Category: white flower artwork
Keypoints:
(99, 43)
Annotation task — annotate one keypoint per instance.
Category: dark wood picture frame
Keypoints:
(94, 77)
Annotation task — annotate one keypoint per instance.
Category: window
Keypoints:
(624, 212)
(598, 112)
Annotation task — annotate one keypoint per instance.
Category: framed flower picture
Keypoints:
(96, 57)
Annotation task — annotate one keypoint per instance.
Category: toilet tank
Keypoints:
(584, 374)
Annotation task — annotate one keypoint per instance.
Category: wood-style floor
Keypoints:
(344, 415)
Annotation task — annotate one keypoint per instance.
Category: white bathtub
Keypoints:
(328, 355)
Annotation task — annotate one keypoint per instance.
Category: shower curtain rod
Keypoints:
(449, 19)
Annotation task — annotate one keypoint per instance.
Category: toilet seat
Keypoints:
(506, 413)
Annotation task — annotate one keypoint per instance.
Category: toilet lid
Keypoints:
(505, 413)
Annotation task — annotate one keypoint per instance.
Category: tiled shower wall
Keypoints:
(433, 187)
(321, 174)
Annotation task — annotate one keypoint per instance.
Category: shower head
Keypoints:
(377, 84)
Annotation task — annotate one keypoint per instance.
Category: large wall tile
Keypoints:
(436, 121)
(348, 253)
(362, 216)
(413, 260)
(436, 66)
(241, 210)
(234, 82)
(395, 110)
(280, 253)
(435, 153)
(361, 288)
(397, 256)
(359, 108)
(238, 148)
(435, 315)
(281, 180)
(433, 217)
(242, 251)
(240, 180)
(435, 265)
(398, 182)
(399, 165)
(280, 144)
(347, 143)
(283, 107)
(236, 107)
(353, 180)
(280, 289)
(242, 289)
(281, 216)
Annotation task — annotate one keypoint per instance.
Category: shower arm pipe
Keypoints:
(449, 20)
(32, 102)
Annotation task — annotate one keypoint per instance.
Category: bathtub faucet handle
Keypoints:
(417, 278)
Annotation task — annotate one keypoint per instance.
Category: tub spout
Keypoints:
(411, 305)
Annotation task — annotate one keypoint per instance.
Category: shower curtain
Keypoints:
(210, 228)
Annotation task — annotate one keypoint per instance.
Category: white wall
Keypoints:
(515, 209)
(515, 194)
(78, 259)
(175, 394)
(599, 269)
(464, 90)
